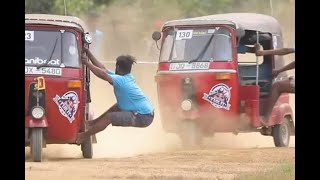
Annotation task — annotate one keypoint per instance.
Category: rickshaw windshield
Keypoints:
(210, 44)
(58, 46)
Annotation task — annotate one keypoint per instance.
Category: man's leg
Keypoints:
(116, 118)
(277, 89)
(99, 124)
(113, 108)
(83, 136)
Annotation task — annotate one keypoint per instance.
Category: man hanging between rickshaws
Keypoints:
(133, 108)
(282, 86)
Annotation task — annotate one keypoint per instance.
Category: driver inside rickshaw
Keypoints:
(133, 108)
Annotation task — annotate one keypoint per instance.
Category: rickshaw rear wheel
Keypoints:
(281, 133)
(190, 135)
(36, 143)
(86, 148)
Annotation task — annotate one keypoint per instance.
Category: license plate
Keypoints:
(187, 66)
(43, 71)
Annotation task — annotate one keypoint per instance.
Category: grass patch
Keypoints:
(282, 172)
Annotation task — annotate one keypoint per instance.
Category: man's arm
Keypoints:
(99, 72)
(290, 66)
(287, 67)
(94, 59)
(280, 52)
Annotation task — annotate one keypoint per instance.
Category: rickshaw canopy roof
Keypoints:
(245, 21)
(69, 21)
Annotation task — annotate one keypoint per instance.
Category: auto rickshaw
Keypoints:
(208, 80)
(57, 85)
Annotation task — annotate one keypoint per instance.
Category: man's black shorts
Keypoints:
(130, 119)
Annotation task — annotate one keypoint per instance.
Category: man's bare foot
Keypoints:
(80, 138)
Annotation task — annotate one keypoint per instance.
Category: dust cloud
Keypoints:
(127, 30)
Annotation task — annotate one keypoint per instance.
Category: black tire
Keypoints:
(190, 135)
(281, 133)
(86, 148)
(36, 142)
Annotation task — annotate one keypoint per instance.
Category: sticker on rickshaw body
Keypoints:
(219, 96)
(189, 66)
(43, 71)
(68, 104)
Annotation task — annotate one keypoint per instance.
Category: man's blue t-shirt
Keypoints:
(129, 96)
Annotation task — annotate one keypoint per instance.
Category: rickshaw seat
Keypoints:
(247, 75)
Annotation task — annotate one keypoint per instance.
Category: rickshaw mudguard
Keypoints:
(32, 123)
(283, 110)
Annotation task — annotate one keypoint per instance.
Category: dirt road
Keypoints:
(151, 154)
(129, 153)
(204, 164)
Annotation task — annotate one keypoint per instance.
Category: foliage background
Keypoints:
(127, 25)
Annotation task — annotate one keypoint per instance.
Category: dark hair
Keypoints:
(125, 63)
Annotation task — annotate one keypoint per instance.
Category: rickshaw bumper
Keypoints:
(32, 123)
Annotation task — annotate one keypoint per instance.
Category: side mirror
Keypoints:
(87, 38)
(156, 35)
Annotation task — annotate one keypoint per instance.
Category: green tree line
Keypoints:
(189, 8)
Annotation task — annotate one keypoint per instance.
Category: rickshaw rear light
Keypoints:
(74, 84)
(223, 76)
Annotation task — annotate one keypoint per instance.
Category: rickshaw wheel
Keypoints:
(281, 134)
(190, 135)
(36, 142)
(86, 148)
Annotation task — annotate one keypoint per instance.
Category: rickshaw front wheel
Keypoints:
(281, 133)
(36, 143)
(86, 148)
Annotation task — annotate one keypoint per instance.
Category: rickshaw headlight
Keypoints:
(186, 105)
(37, 112)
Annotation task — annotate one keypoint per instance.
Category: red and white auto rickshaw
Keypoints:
(208, 82)
(57, 85)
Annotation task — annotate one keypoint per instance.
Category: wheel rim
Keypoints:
(284, 133)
